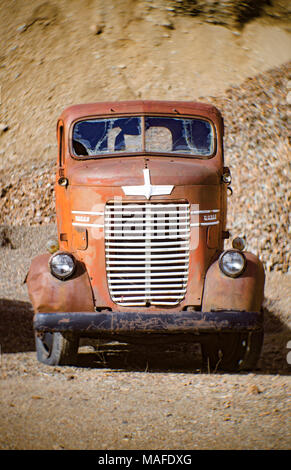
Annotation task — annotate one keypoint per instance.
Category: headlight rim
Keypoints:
(66, 276)
(220, 263)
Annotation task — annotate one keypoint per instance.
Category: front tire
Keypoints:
(255, 340)
(232, 352)
(55, 349)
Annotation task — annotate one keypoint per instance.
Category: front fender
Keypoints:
(245, 292)
(47, 293)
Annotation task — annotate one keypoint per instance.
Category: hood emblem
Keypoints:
(147, 189)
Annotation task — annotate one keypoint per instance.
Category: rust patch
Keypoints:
(50, 294)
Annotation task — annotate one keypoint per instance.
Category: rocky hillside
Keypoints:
(257, 148)
(55, 54)
(234, 13)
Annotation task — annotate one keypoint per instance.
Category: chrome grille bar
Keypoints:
(147, 252)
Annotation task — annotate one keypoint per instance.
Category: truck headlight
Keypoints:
(232, 263)
(62, 265)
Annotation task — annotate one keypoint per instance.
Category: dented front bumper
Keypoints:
(135, 322)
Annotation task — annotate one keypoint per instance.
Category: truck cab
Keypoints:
(141, 209)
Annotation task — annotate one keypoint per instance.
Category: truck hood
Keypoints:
(129, 171)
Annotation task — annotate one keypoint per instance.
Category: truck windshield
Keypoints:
(184, 136)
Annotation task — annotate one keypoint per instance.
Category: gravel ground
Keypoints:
(70, 408)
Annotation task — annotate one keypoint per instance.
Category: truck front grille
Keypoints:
(147, 252)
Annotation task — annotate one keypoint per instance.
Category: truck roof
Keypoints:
(112, 108)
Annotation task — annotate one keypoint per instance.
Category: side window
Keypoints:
(61, 144)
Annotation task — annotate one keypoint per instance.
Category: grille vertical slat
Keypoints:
(147, 252)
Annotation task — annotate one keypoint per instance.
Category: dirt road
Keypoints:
(92, 408)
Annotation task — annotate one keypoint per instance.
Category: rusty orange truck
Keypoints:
(141, 206)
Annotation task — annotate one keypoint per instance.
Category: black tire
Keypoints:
(55, 349)
(232, 351)
(255, 340)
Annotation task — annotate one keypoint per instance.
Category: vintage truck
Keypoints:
(141, 206)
